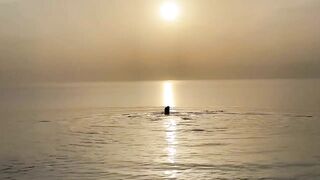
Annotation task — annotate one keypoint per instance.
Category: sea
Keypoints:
(217, 129)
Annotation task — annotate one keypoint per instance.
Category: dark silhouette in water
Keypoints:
(167, 110)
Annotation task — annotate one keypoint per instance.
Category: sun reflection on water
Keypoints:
(170, 127)
(168, 99)
(171, 139)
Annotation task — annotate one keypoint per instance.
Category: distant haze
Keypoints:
(101, 40)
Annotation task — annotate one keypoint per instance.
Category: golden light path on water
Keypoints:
(170, 126)
(168, 99)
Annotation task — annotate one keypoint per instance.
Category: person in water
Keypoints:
(167, 110)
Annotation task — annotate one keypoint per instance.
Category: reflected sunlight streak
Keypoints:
(170, 128)
(168, 99)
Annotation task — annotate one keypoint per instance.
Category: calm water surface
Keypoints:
(219, 129)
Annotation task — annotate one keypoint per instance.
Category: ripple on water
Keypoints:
(145, 144)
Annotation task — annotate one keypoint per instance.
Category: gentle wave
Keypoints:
(145, 144)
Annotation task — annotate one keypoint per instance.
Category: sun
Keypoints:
(169, 11)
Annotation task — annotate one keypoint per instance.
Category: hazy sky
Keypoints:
(95, 40)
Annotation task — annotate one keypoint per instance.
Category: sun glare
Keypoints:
(169, 11)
